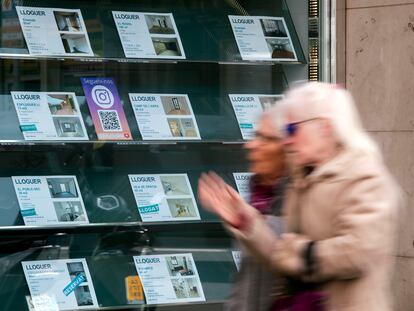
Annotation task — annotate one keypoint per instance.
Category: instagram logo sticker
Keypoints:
(102, 96)
(106, 108)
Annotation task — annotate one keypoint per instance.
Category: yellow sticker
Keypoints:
(134, 288)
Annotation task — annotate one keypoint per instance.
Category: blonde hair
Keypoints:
(324, 100)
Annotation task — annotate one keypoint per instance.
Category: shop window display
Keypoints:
(108, 119)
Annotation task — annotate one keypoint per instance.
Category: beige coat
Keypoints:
(349, 206)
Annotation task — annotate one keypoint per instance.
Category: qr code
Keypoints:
(110, 120)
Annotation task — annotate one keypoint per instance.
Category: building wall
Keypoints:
(376, 61)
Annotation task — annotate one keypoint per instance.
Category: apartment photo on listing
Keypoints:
(268, 102)
(160, 24)
(166, 46)
(62, 187)
(70, 211)
(273, 28)
(175, 105)
(186, 288)
(175, 185)
(68, 127)
(179, 265)
(280, 48)
(61, 104)
(182, 208)
(68, 21)
(75, 43)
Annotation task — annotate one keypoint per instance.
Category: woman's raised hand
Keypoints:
(220, 198)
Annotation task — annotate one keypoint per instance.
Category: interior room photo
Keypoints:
(273, 28)
(175, 127)
(83, 296)
(179, 265)
(185, 288)
(76, 268)
(181, 208)
(159, 24)
(166, 46)
(62, 187)
(182, 127)
(268, 102)
(69, 211)
(175, 105)
(68, 21)
(61, 104)
(280, 48)
(174, 185)
(68, 127)
(188, 127)
(75, 43)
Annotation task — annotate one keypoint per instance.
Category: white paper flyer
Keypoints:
(237, 259)
(29, 301)
(164, 116)
(49, 116)
(53, 31)
(63, 284)
(248, 108)
(166, 197)
(149, 35)
(243, 184)
(50, 200)
(263, 38)
(169, 278)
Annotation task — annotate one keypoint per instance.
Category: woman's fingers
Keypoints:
(214, 196)
(217, 179)
(214, 182)
(206, 195)
(209, 195)
(215, 187)
(234, 194)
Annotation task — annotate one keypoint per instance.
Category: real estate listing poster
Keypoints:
(50, 200)
(63, 284)
(243, 184)
(263, 38)
(237, 258)
(164, 116)
(29, 301)
(248, 108)
(165, 197)
(169, 278)
(106, 109)
(49, 116)
(149, 35)
(53, 31)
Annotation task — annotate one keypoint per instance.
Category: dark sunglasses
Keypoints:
(292, 128)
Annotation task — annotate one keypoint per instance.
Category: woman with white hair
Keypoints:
(340, 210)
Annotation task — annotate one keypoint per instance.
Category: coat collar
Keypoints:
(326, 171)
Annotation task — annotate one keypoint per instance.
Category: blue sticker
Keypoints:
(246, 125)
(28, 128)
(78, 280)
(149, 209)
(28, 212)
